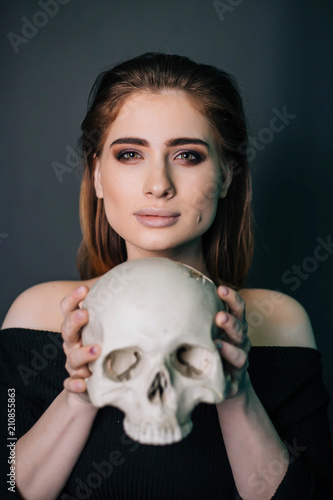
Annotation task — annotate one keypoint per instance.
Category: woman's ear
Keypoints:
(97, 180)
(226, 180)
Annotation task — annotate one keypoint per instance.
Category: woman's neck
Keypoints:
(186, 254)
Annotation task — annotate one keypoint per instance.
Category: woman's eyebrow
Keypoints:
(181, 141)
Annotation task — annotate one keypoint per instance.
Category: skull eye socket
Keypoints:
(121, 364)
(193, 361)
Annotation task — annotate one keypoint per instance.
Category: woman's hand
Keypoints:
(235, 343)
(78, 356)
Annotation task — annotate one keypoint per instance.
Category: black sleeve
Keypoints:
(32, 371)
(291, 388)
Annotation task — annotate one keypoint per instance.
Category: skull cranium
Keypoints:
(155, 321)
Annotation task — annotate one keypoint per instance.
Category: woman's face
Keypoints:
(159, 175)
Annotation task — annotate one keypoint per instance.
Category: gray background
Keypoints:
(280, 52)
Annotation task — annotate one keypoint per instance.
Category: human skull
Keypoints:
(155, 321)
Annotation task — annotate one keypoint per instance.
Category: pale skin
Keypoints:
(184, 177)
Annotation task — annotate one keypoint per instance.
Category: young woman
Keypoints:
(165, 175)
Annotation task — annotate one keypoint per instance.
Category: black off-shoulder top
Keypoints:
(287, 380)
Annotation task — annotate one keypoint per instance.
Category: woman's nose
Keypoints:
(158, 182)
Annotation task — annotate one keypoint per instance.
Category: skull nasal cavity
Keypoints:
(157, 388)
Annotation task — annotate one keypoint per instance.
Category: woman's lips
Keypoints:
(156, 217)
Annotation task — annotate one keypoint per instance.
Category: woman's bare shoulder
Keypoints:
(38, 307)
(276, 319)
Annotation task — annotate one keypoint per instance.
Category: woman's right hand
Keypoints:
(78, 356)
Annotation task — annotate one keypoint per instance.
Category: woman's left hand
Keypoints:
(234, 345)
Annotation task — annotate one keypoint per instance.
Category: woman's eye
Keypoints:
(189, 156)
(128, 155)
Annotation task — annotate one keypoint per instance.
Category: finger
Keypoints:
(75, 384)
(234, 301)
(83, 372)
(80, 357)
(71, 327)
(234, 355)
(73, 299)
(233, 390)
(233, 327)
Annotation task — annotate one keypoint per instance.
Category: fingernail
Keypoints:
(79, 385)
(219, 343)
(93, 350)
(223, 318)
(224, 290)
(80, 290)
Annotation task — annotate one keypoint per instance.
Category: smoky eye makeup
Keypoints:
(128, 155)
(188, 156)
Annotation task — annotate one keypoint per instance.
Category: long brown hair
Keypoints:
(228, 244)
